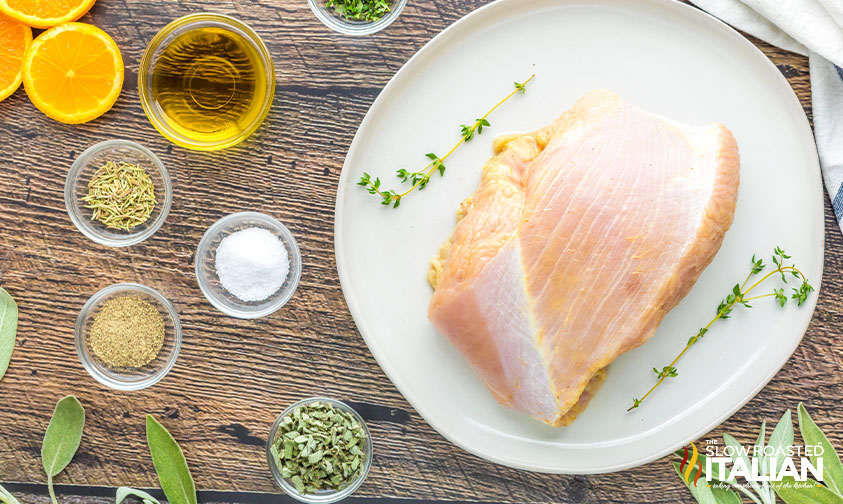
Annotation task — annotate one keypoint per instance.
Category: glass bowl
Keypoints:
(83, 169)
(351, 27)
(132, 378)
(169, 34)
(209, 282)
(322, 496)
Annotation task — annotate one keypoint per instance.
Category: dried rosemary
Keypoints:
(121, 195)
(319, 447)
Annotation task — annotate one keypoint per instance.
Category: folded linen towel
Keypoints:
(813, 28)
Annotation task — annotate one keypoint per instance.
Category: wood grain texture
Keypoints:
(235, 376)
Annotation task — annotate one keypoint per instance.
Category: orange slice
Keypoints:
(45, 13)
(15, 38)
(73, 72)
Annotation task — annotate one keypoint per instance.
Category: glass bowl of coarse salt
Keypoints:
(248, 265)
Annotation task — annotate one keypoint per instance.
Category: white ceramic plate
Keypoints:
(663, 56)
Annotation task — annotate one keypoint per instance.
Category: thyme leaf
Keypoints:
(420, 179)
(739, 295)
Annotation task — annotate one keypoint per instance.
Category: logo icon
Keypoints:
(688, 465)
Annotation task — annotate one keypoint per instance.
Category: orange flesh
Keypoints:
(44, 8)
(14, 39)
(73, 72)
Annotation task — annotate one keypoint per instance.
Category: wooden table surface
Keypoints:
(235, 376)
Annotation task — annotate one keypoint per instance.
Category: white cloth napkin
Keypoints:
(813, 28)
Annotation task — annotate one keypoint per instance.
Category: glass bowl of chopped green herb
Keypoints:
(128, 336)
(357, 17)
(319, 450)
(118, 193)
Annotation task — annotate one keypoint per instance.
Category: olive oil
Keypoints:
(210, 84)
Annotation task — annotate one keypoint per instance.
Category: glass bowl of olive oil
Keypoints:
(206, 81)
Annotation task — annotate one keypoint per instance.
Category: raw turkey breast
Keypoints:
(579, 240)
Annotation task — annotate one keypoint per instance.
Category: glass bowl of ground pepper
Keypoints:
(128, 336)
(118, 193)
(357, 17)
(319, 450)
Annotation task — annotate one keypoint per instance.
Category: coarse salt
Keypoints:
(252, 264)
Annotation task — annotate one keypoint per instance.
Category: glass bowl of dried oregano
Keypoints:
(118, 193)
(319, 450)
(128, 336)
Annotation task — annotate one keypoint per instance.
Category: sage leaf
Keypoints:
(813, 435)
(170, 464)
(725, 496)
(124, 492)
(759, 446)
(701, 492)
(738, 453)
(6, 497)
(805, 494)
(61, 440)
(782, 439)
(8, 329)
(768, 495)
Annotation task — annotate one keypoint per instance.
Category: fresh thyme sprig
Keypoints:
(421, 178)
(740, 296)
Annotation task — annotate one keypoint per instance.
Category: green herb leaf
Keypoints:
(767, 492)
(124, 492)
(782, 437)
(666, 372)
(6, 497)
(170, 464)
(740, 296)
(801, 294)
(360, 10)
(759, 446)
(757, 265)
(62, 438)
(781, 298)
(521, 86)
(813, 435)
(317, 447)
(8, 328)
(737, 453)
(725, 496)
(700, 491)
(804, 492)
(353, 8)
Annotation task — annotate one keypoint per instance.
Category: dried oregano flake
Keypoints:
(319, 447)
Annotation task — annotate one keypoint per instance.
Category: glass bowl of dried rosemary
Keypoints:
(128, 336)
(319, 450)
(357, 17)
(118, 193)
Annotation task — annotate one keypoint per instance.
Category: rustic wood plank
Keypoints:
(234, 376)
